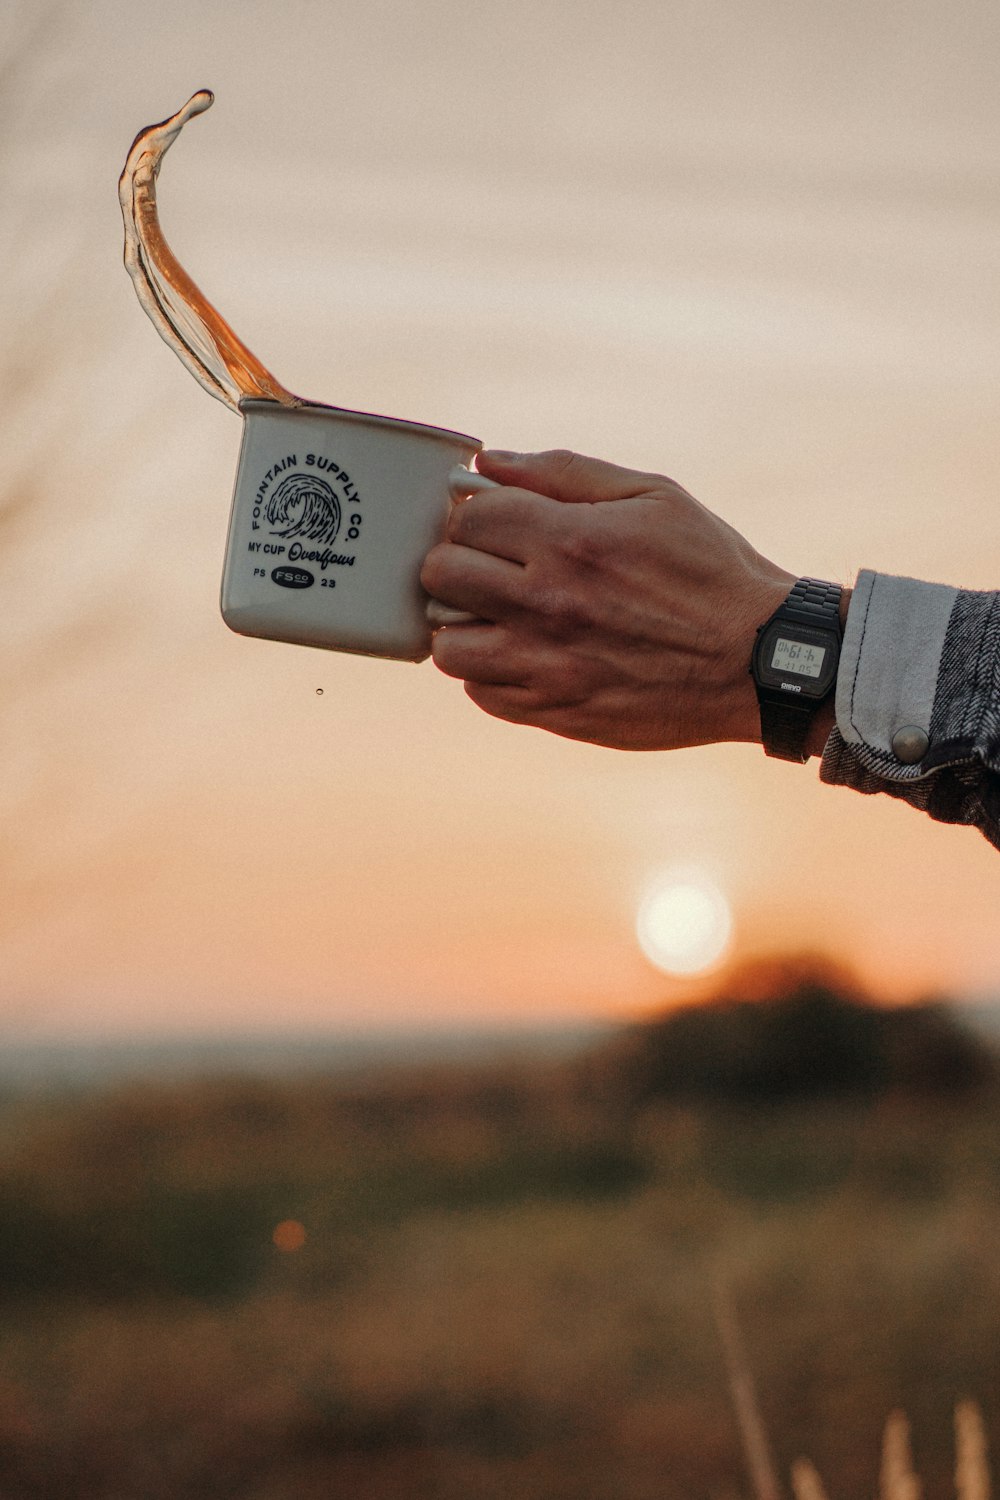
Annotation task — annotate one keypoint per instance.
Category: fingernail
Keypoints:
(501, 456)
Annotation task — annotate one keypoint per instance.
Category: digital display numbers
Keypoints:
(798, 657)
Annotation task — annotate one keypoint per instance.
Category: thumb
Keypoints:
(563, 475)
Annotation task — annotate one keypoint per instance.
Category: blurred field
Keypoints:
(506, 1283)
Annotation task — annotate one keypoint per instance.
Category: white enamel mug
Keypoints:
(333, 514)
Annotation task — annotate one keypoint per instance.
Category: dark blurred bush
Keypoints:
(798, 1029)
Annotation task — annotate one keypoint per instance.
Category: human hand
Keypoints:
(612, 607)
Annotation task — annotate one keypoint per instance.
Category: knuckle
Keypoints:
(582, 545)
(461, 521)
(558, 607)
(671, 492)
(496, 702)
(472, 522)
(443, 654)
(561, 459)
(434, 569)
(569, 688)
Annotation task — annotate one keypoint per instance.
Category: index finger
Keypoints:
(566, 476)
(504, 522)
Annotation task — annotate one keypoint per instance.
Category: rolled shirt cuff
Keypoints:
(918, 699)
(889, 667)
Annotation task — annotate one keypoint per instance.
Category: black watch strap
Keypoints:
(812, 602)
(784, 729)
(785, 722)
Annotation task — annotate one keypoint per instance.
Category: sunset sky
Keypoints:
(752, 245)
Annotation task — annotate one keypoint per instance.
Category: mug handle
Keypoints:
(462, 482)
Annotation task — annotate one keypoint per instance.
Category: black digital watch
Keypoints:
(794, 665)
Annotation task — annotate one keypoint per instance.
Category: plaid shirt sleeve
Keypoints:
(925, 659)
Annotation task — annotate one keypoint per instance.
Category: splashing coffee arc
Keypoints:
(181, 313)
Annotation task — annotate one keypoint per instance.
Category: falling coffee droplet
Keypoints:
(181, 314)
(319, 692)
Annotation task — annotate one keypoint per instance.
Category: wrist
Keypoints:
(744, 716)
(826, 717)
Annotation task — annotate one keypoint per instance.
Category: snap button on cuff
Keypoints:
(909, 744)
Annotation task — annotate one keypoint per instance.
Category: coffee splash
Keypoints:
(180, 312)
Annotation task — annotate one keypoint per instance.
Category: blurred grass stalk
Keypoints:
(972, 1472)
(753, 1432)
(897, 1481)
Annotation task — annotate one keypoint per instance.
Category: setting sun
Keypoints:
(683, 923)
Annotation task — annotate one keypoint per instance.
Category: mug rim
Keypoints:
(253, 406)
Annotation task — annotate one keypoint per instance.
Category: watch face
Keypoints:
(796, 659)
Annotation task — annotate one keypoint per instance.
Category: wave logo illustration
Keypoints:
(305, 506)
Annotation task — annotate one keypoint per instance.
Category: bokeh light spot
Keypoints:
(289, 1235)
